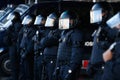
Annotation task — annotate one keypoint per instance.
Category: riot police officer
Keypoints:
(27, 47)
(69, 57)
(99, 14)
(50, 44)
(38, 58)
(111, 56)
(11, 41)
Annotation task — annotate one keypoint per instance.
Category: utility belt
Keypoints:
(99, 68)
(63, 62)
(49, 58)
(38, 53)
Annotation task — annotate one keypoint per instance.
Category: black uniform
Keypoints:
(38, 58)
(101, 42)
(70, 50)
(102, 39)
(38, 50)
(116, 75)
(70, 53)
(111, 70)
(11, 40)
(50, 44)
(27, 52)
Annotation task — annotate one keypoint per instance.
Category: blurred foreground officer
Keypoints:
(50, 44)
(112, 55)
(99, 14)
(69, 57)
(27, 48)
(38, 57)
(11, 41)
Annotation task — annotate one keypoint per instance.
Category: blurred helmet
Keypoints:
(51, 20)
(28, 20)
(13, 16)
(114, 22)
(68, 20)
(40, 20)
(100, 12)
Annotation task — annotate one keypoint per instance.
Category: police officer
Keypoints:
(38, 58)
(99, 14)
(69, 57)
(50, 44)
(27, 47)
(111, 56)
(11, 41)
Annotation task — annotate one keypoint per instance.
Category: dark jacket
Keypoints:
(70, 48)
(25, 39)
(12, 32)
(50, 43)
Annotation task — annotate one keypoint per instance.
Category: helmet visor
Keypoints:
(114, 21)
(11, 16)
(49, 22)
(38, 21)
(96, 16)
(27, 20)
(64, 23)
(9, 23)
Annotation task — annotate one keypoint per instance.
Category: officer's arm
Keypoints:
(52, 39)
(19, 26)
(8, 36)
(108, 54)
(30, 47)
(21, 31)
(111, 33)
(77, 51)
(17, 30)
(32, 33)
(20, 35)
(30, 43)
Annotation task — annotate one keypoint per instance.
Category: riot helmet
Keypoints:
(100, 12)
(13, 16)
(51, 20)
(39, 21)
(28, 20)
(67, 20)
(114, 22)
